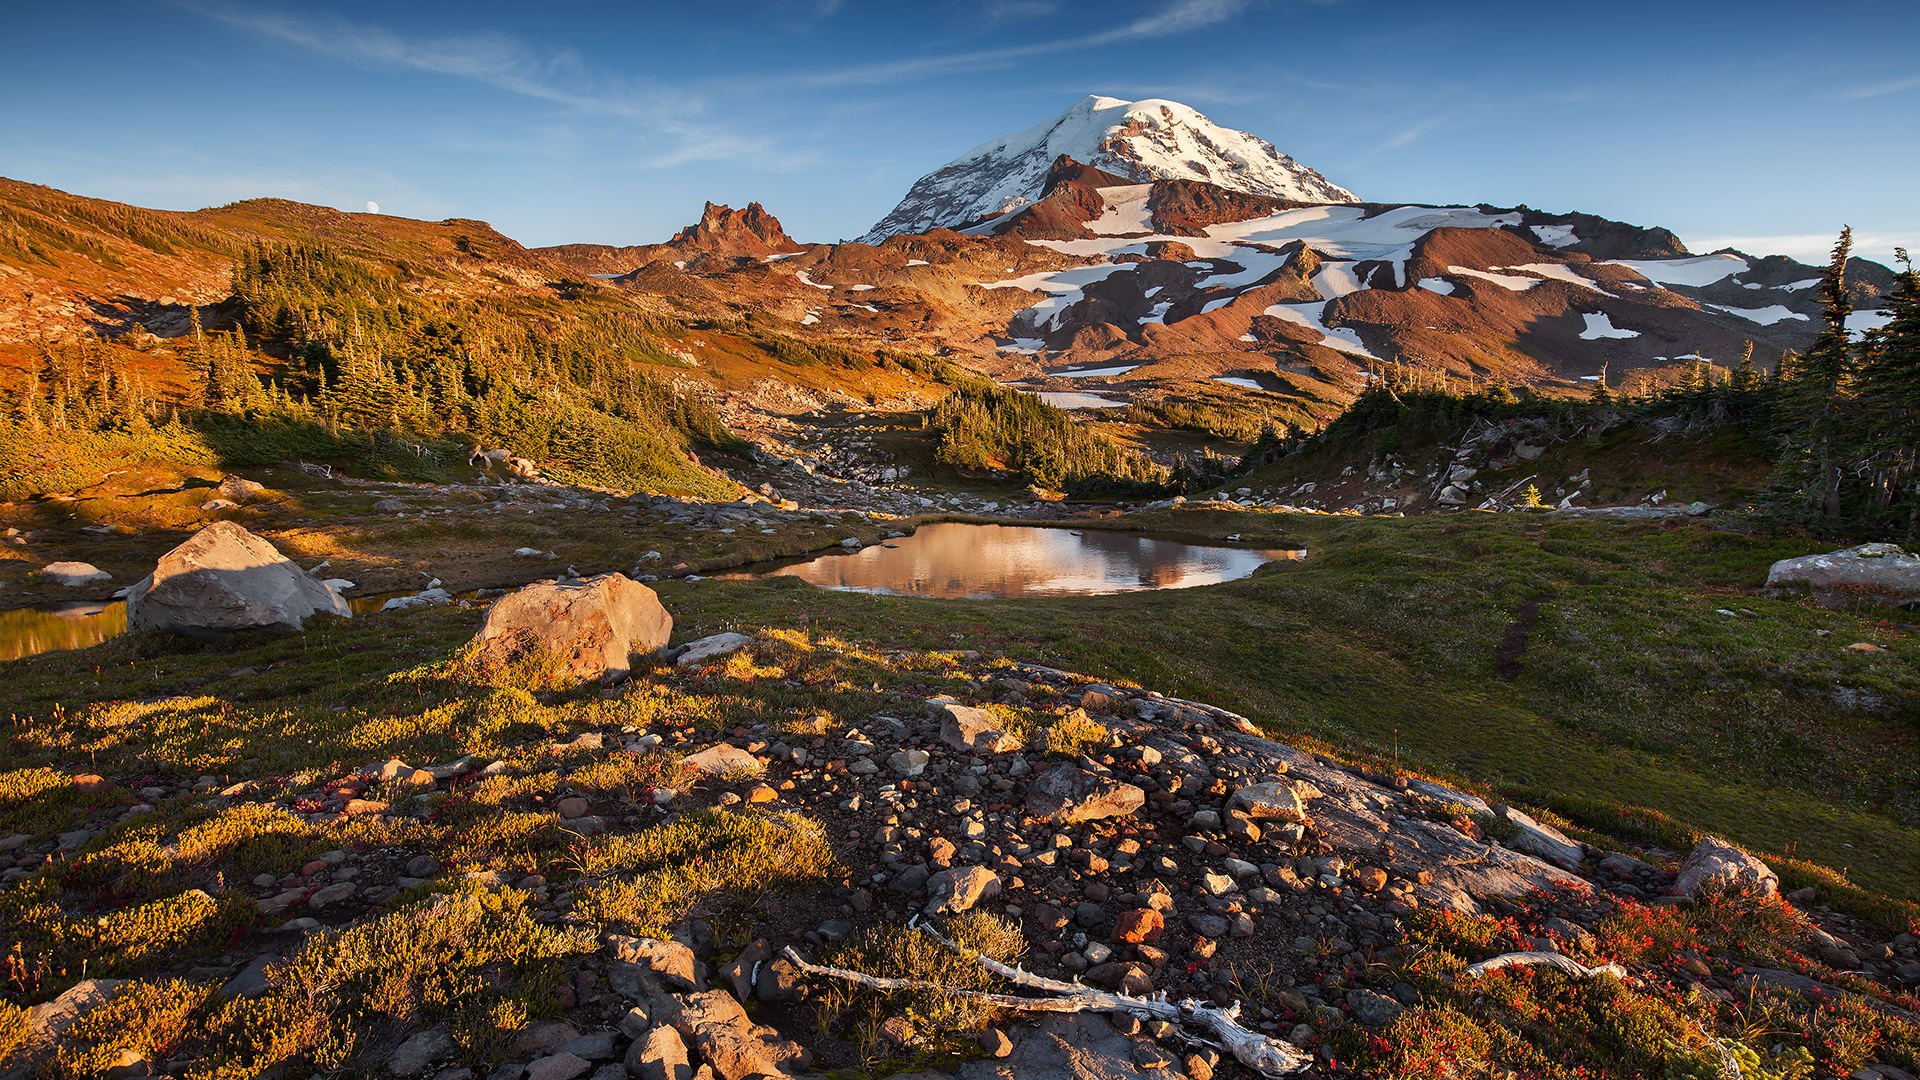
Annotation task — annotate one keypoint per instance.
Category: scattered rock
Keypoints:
(1374, 1010)
(74, 575)
(714, 1024)
(697, 652)
(420, 1051)
(1065, 794)
(543, 1035)
(238, 489)
(951, 892)
(670, 960)
(661, 1054)
(595, 625)
(1272, 800)
(225, 579)
(724, 760)
(562, 1066)
(994, 1043)
(967, 728)
(1544, 841)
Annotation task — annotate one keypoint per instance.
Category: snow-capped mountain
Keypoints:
(1141, 140)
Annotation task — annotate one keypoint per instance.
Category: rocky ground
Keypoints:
(1137, 842)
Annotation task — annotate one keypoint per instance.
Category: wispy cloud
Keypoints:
(667, 120)
(1880, 89)
(1176, 18)
(1412, 132)
(1812, 248)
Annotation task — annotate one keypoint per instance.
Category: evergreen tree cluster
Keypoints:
(983, 426)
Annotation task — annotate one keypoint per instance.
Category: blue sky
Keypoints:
(1761, 125)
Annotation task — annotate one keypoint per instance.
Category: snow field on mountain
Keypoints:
(1076, 400)
(1698, 271)
(1234, 380)
(1555, 236)
(1505, 281)
(1765, 316)
(1100, 372)
(1126, 211)
(1599, 325)
(1310, 315)
(1559, 272)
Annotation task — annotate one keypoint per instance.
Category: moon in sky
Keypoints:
(372, 207)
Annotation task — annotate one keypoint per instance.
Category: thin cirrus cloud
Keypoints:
(500, 61)
(1881, 89)
(1178, 17)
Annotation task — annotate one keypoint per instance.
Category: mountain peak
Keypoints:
(722, 229)
(1140, 141)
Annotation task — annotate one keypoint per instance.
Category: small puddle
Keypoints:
(958, 561)
(82, 624)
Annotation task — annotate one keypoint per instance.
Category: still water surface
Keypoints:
(953, 560)
(949, 559)
(86, 623)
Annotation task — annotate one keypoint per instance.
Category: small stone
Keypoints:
(1212, 926)
(558, 1067)
(1271, 800)
(1369, 879)
(574, 807)
(1374, 1010)
(423, 866)
(74, 574)
(1089, 914)
(762, 793)
(1141, 925)
(994, 1043)
(332, 894)
(909, 762)
(1216, 884)
(959, 889)
(910, 881)
(897, 1030)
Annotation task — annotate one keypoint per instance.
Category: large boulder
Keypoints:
(595, 625)
(1714, 859)
(1864, 576)
(225, 579)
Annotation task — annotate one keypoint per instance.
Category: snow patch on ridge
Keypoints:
(1698, 271)
(1600, 325)
(1765, 316)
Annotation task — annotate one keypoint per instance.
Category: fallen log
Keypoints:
(1268, 1057)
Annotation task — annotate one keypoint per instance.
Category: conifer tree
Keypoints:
(1744, 379)
(1890, 397)
(1817, 397)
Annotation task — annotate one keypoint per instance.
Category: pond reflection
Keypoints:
(953, 560)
